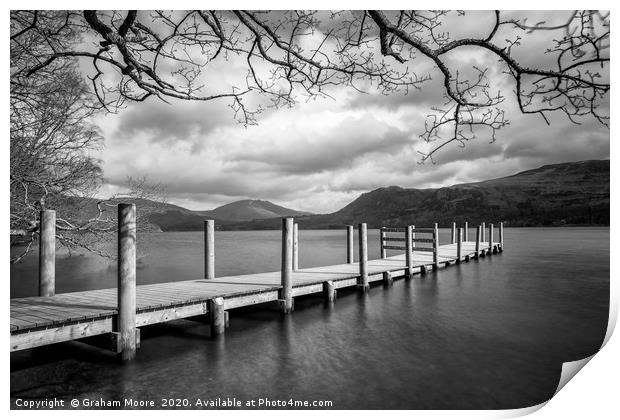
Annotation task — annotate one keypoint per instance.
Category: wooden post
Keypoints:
(349, 244)
(295, 247)
(501, 236)
(466, 232)
(387, 279)
(412, 244)
(459, 245)
(363, 248)
(490, 237)
(286, 293)
(482, 239)
(47, 253)
(209, 249)
(408, 253)
(478, 237)
(453, 233)
(217, 316)
(126, 277)
(381, 238)
(435, 247)
(329, 291)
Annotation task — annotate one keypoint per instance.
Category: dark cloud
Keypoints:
(168, 123)
(352, 139)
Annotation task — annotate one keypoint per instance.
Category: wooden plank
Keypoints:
(423, 230)
(402, 230)
(308, 289)
(247, 300)
(42, 337)
(418, 248)
(169, 314)
(395, 239)
(399, 248)
(425, 240)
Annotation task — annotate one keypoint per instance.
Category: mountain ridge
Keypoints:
(571, 193)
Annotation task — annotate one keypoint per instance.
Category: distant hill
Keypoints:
(245, 210)
(574, 193)
(229, 214)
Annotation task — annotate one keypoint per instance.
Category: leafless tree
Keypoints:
(51, 138)
(290, 55)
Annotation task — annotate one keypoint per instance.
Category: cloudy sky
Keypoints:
(321, 154)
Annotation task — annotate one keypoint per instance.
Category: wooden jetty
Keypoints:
(118, 313)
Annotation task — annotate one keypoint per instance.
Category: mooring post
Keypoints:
(466, 232)
(209, 249)
(478, 229)
(435, 247)
(126, 281)
(286, 271)
(363, 248)
(349, 244)
(387, 279)
(217, 316)
(453, 233)
(490, 238)
(295, 247)
(329, 291)
(382, 239)
(459, 245)
(483, 233)
(501, 236)
(47, 253)
(408, 252)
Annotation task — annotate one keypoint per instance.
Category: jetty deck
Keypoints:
(43, 320)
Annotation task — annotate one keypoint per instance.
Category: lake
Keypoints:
(489, 334)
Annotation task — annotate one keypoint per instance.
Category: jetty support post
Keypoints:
(409, 252)
(459, 245)
(286, 271)
(209, 249)
(483, 233)
(47, 253)
(478, 237)
(217, 316)
(329, 291)
(349, 244)
(466, 232)
(126, 276)
(382, 242)
(387, 279)
(490, 238)
(363, 248)
(295, 247)
(435, 247)
(453, 233)
(501, 236)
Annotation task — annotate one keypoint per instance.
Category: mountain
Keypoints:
(574, 193)
(252, 209)
(242, 211)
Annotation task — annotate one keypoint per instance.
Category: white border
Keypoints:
(592, 394)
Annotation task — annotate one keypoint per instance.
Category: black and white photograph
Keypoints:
(306, 209)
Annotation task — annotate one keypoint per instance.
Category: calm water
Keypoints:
(489, 334)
